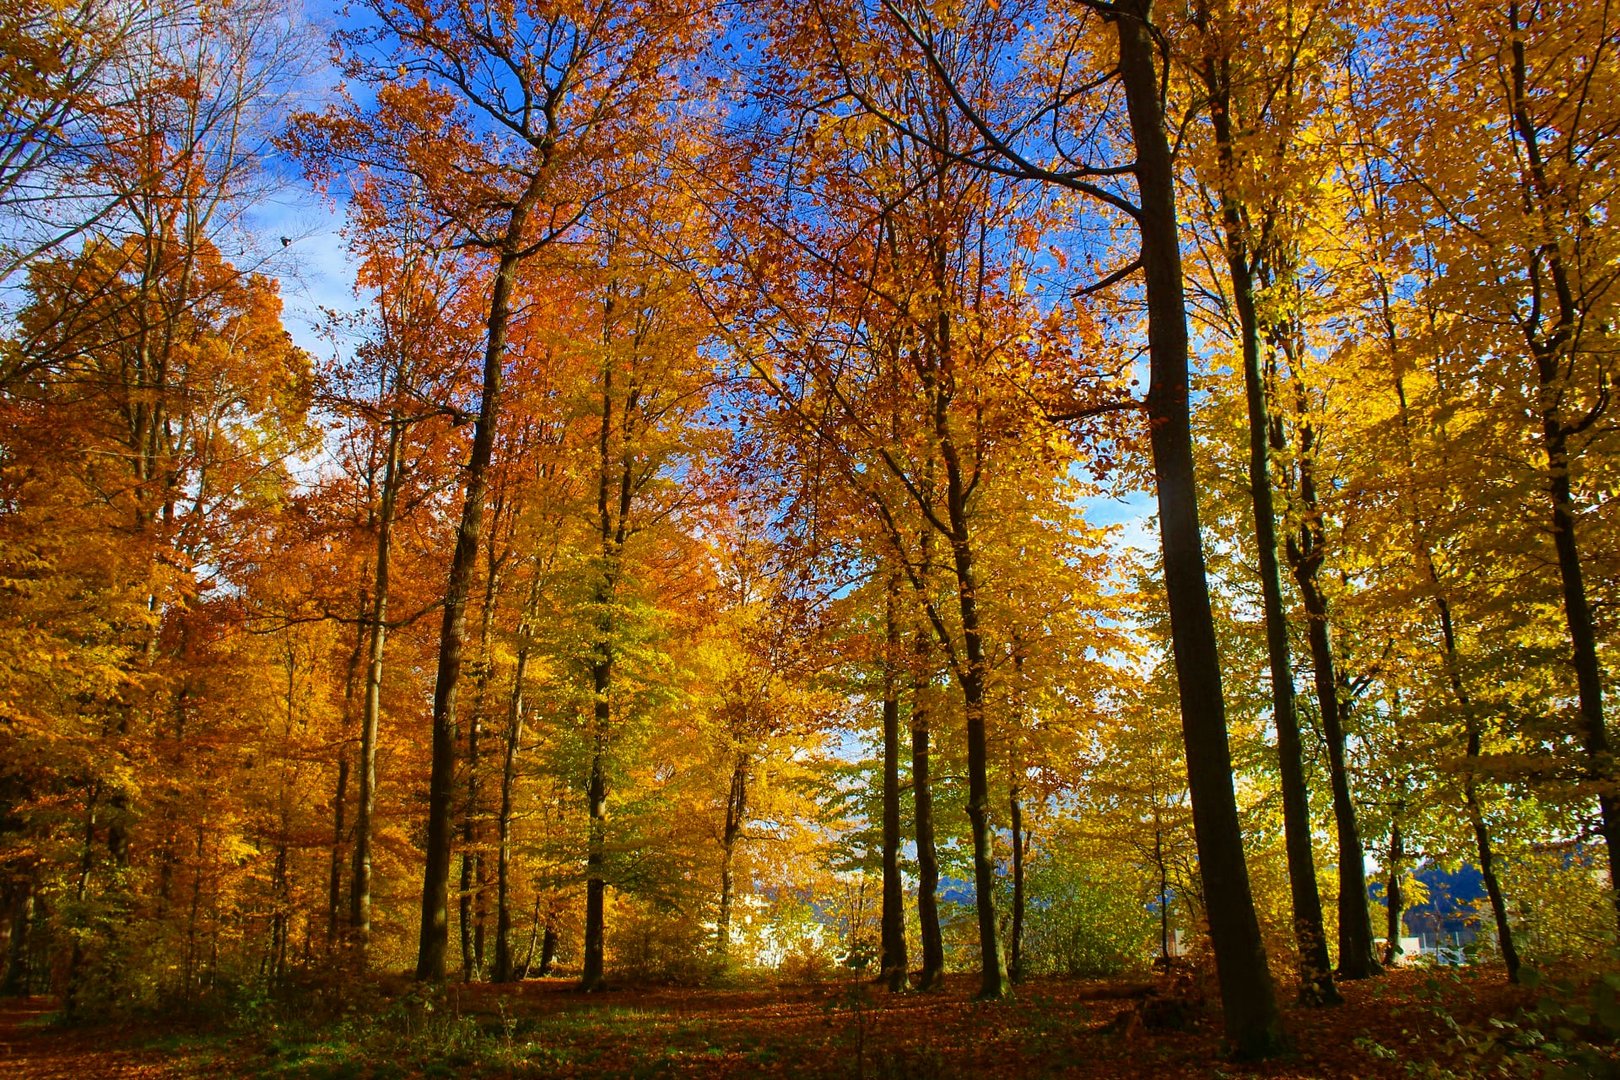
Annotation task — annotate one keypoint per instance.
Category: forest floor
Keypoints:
(1451, 1023)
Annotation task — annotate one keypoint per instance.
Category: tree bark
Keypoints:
(18, 980)
(1315, 968)
(592, 976)
(504, 968)
(371, 714)
(922, 792)
(1305, 556)
(470, 961)
(352, 682)
(892, 963)
(1393, 901)
(1015, 808)
(1476, 813)
(548, 941)
(1252, 1021)
(993, 981)
(1356, 960)
(334, 876)
(612, 531)
(1164, 884)
(473, 871)
(435, 929)
(736, 811)
(1015, 945)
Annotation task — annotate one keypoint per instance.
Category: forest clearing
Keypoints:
(825, 537)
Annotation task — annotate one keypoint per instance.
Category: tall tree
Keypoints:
(507, 131)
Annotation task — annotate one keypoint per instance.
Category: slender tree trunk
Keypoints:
(922, 791)
(1394, 902)
(1471, 724)
(19, 972)
(435, 930)
(971, 672)
(1356, 960)
(189, 971)
(371, 711)
(279, 919)
(340, 798)
(469, 862)
(1476, 812)
(736, 811)
(81, 889)
(504, 970)
(1315, 968)
(1487, 865)
(1164, 885)
(548, 940)
(1594, 732)
(1015, 946)
(932, 976)
(1015, 808)
(592, 976)
(613, 523)
(474, 871)
(1306, 554)
(334, 876)
(892, 964)
(992, 964)
(1252, 1020)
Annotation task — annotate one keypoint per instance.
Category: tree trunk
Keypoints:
(736, 809)
(548, 941)
(469, 861)
(612, 531)
(371, 714)
(1015, 949)
(922, 792)
(1315, 968)
(993, 981)
(18, 981)
(1476, 813)
(189, 971)
(591, 976)
(474, 870)
(340, 797)
(504, 969)
(1471, 725)
(1356, 960)
(932, 976)
(892, 966)
(1252, 1021)
(1392, 890)
(1594, 732)
(334, 882)
(1549, 350)
(1015, 808)
(1306, 553)
(1164, 884)
(435, 929)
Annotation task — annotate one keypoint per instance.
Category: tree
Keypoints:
(507, 131)
(1526, 258)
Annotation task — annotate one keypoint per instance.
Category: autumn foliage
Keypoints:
(871, 487)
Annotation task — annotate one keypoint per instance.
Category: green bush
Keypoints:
(1077, 921)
